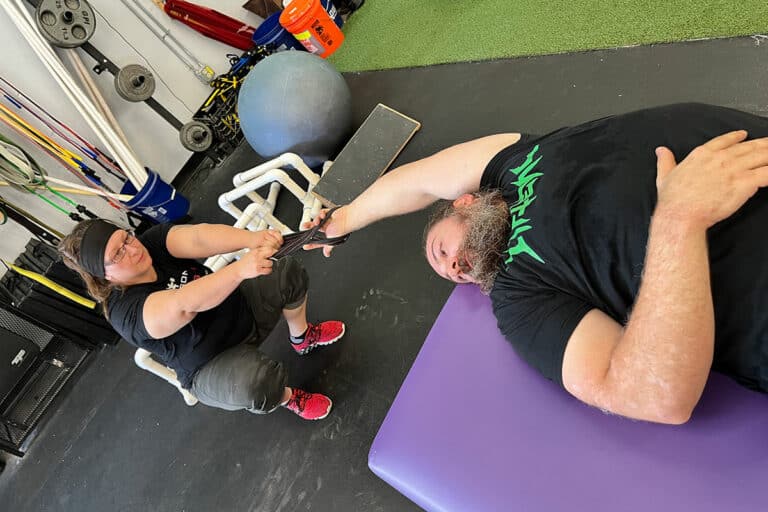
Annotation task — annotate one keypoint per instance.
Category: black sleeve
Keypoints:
(495, 170)
(126, 314)
(539, 325)
(154, 239)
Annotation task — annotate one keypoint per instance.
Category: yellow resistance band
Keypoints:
(53, 286)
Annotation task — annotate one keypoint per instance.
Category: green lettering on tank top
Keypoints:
(526, 179)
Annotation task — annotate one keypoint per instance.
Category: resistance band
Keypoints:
(82, 145)
(64, 292)
(293, 242)
(23, 173)
(71, 161)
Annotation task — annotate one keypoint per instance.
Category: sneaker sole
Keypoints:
(323, 344)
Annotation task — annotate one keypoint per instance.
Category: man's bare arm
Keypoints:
(656, 367)
(445, 175)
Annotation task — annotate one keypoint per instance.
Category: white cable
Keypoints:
(120, 151)
(46, 58)
(91, 115)
(24, 174)
(118, 197)
(82, 190)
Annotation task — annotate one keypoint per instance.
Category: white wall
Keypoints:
(125, 40)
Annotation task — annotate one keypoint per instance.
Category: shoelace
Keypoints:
(300, 399)
(295, 241)
(314, 331)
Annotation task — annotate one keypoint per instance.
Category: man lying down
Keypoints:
(625, 257)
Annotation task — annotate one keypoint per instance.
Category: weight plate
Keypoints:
(65, 23)
(196, 136)
(134, 83)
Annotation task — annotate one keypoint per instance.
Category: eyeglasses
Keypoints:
(120, 254)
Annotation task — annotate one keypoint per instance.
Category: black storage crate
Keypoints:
(84, 325)
(35, 364)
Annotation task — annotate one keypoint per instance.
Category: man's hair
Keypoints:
(487, 222)
(69, 248)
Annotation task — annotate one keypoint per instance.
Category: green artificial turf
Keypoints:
(402, 33)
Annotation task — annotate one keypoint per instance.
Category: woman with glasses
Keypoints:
(205, 326)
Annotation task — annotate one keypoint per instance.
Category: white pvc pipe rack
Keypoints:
(248, 182)
(143, 359)
(256, 210)
(260, 213)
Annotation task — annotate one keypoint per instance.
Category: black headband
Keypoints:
(93, 245)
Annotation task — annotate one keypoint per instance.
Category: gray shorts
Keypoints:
(242, 377)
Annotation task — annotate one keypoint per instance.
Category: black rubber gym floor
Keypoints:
(123, 440)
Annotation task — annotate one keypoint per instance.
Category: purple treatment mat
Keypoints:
(474, 428)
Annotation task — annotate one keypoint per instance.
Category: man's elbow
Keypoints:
(676, 417)
(669, 412)
(657, 415)
(651, 407)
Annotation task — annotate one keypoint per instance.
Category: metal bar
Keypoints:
(103, 63)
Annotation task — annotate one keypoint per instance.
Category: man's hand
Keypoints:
(268, 239)
(655, 367)
(713, 181)
(336, 226)
(256, 262)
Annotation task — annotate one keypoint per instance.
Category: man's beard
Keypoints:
(487, 222)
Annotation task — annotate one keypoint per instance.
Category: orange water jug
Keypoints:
(310, 23)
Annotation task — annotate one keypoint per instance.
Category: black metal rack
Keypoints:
(40, 362)
(85, 326)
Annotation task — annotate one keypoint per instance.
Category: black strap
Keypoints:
(295, 241)
(44, 233)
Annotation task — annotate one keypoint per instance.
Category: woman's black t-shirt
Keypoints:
(207, 335)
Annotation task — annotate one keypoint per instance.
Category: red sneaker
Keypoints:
(320, 334)
(310, 406)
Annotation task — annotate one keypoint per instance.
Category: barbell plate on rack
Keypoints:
(65, 23)
(134, 83)
(196, 136)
